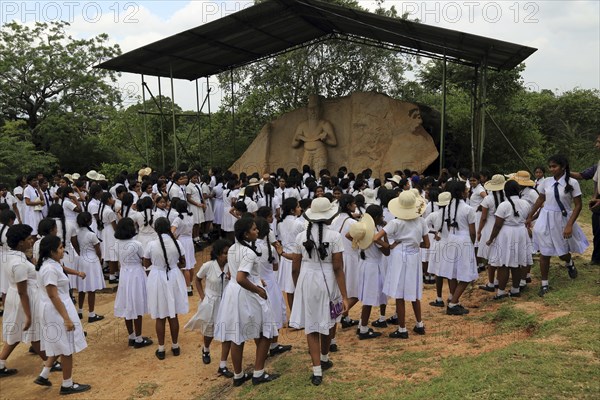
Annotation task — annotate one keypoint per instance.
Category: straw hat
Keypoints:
(92, 175)
(420, 201)
(388, 186)
(444, 199)
(69, 177)
(523, 178)
(396, 179)
(321, 210)
(101, 177)
(370, 196)
(362, 232)
(75, 176)
(253, 182)
(496, 183)
(404, 206)
(144, 172)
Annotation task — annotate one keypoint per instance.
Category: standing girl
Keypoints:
(197, 205)
(287, 230)
(435, 223)
(89, 263)
(107, 223)
(182, 227)
(144, 219)
(34, 203)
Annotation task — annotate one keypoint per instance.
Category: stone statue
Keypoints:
(316, 134)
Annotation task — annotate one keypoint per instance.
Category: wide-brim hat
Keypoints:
(321, 210)
(370, 196)
(101, 177)
(444, 199)
(496, 183)
(395, 178)
(75, 176)
(362, 232)
(144, 172)
(404, 206)
(69, 177)
(92, 175)
(420, 201)
(523, 178)
(253, 182)
(388, 185)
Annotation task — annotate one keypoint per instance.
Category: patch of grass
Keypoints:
(508, 318)
(145, 389)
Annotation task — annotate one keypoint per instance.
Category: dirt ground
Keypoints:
(117, 371)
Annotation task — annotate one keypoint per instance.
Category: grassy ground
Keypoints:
(548, 348)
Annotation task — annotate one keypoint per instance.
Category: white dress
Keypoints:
(486, 231)
(228, 220)
(431, 207)
(371, 277)
(404, 279)
(89, 262)
(20, 203)
(342, 225)
(71, 257)
(287, 231)
(457, 255)
(209, 213)
(549, 227)
(3, 250)
(18, 269)
(183, 233)
(167, 294)
(215, 283)
(55, 338)
(274, 204)
(218, 204)
(132, 298)
(195, 192)
(434, 222)
(273, 290)
(93, 208)
(511, 247)
(244, 315)
(108, 245)
(312, 297)
(145, 222)
(33, 214)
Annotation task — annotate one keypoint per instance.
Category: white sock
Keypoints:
(92, 314)
(544, 283)
(324, 357)
(395, 315)
(401, 329)
(381, 318)
(420, 324)
(273, 346)
(2, 364)
(528, 275)
(196, 239)
(223, 364)
(439, 299)
(258, 374)
(111, 276)
(45, 372)
(190, 288)
(452, 305)
(175, 346)
(514, 290)
(206, 349)
(333, 341)
(523, 282)
(490, 284)
(80, 310)
(139, 339)
(500, 292)
(132, 336)
(569, 264)
(161, 348)
(317, 371)
(364, 329)
(495, 282)
(238, 376)
(67, 382)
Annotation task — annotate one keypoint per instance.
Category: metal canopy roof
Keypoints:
(275, 26)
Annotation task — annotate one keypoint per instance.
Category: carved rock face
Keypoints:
(372, 131)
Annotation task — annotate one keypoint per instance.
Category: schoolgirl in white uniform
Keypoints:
(245, 311)
(107, 223)
(131, 301)
(209, 212)
(556, 232)
(197, 205)
(218, 204)
(89, 263)
(182, 227)
(21, 183)
(457, 260)
(404, 277)
(435, 222)
(93, 207)
(246, 195)
(167, 296)
(34, 202)
(430, 207)
(7, 219)
(229, 199)
(269, 200)
(217, 277)
(530, 195)
(320, 295)
(509, 250)
(161, 210)
(177, 187)
(287, 231)
(144, 219)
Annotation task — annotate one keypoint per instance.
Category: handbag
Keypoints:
(335, 309)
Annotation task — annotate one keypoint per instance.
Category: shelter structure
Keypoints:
(275, 27)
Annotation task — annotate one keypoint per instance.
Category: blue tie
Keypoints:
(557, 197)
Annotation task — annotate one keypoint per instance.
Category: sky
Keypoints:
(565, 32)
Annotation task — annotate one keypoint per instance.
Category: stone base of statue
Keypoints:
(372, 131)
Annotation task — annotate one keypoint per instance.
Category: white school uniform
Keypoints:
(228, 220)
(371, 276)
(549, 227)
(457, 256)
(511, 247)
(475, 201)
(19, 269)
(431, 207)
(145, 222)
(274, 204)
(218, 204)
(69, 209)
(33, 214)
(342, 225)
(131, 300)
(93, 208)
(287, 231)
(167, 294)
(529, 195)
(3, 251)
(434, 223)
(89, 262)
(19, 191)
(209, 212)
(215, 283)
(317, 286)
(55, 339)
(490, 204)
(70, 258)
(174, 190)
(183, 233)
(268, 276)
(244, 315)
(107, 247)
(404, 279)
(251, 205)
(195, 192)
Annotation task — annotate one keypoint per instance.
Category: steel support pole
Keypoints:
(233, 116)
(174, 123)
(443, 119)
(473, 113)
(145, 122)
(482, 116)
(210, 138)
(198, 119)
(162, 128)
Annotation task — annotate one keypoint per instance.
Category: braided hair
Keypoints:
(562, 161)
(162, 226)
(146, 207)
(241, 227)
(345, 202)
(56, 211)
(288, 207)
(84, 220)
(263, 233)
(310, 244)
(46, 226)
(498, 197)
(181, 209)
(434, 194)
(456, 189)
(47, 245)
(269, 194)
(126, 201)
(6, 216)
(512, 189)
(106, 196)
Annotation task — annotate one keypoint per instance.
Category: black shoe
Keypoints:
(42, 381)
(7, 371)
(206, 357)
(95, 318)
(113, 281)
(392, 320)
(368, 330)
(225, 372)
(398, 335)
(500, 296)
(480, 269)
(543, 290)
(487, 288)
(190, 293)
(264, 378)
(333, 348)
(316, 380)
(456, 310)
(145, 342)
(517, 294)
(280, 349)
(528, 280)
(348, 323)
(56, 367)
(176, 352)
(159, 354)
(240, 382)
(325, 365)
(572, 271)
(437, 303)
(76, 388)
(80, 315)
(379, 324)
(369, 335)
(131, 342)
(419, 331)
(1, 313)
(31, 350)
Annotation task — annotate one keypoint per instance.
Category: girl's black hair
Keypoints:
(374, 211)
(181, 209)
(16, 234)
(163, 226)
(47, 246)
(498, 197)
(264, 212)
(126, 203)
(5, 217)
(345, 201)
(46, 226)
(288, 207)
(561, 160)
(241, 206)
(456, 189)
(269, 190)
(146, 205)
(84, 220)
(242, 226)
(218, 247)
(106, 196)
(511, 188)
(125, 229)
(541, 168)
(434, 194)
(310, 244)
(263, 232)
